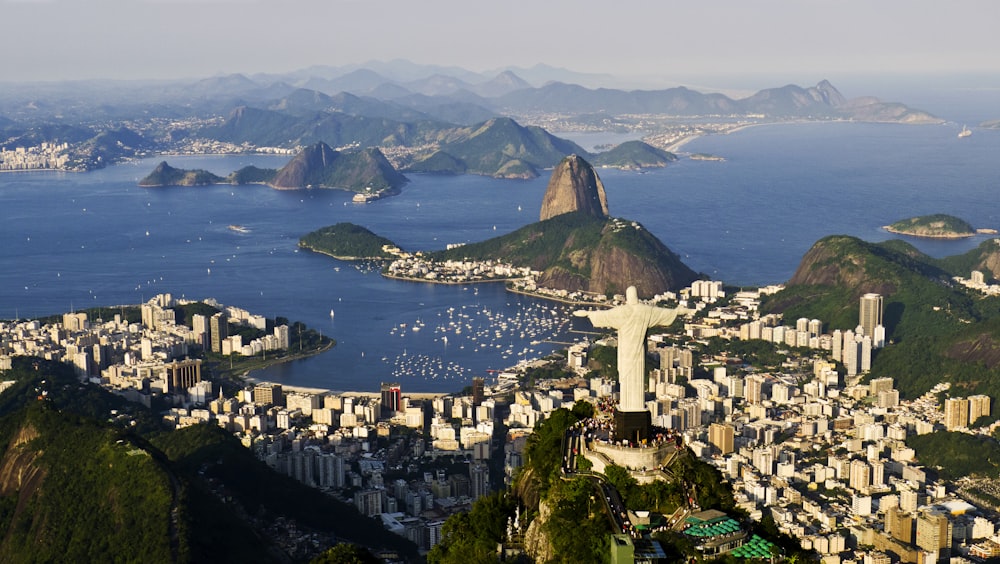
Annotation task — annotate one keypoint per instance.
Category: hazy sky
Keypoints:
(72, 39)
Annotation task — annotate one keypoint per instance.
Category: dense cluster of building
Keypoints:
(453, 271)
(822, 453)
(144, 359)
(51, 156)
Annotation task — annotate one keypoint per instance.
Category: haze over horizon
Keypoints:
(647, 42)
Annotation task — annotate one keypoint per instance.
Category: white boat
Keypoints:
(331, 313)
(965, 132)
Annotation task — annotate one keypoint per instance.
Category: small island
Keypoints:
(166, 175)
(347, 241)
(707, 157)
(936, 226)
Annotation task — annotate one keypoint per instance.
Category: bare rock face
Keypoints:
(536, 542)
(574, 186)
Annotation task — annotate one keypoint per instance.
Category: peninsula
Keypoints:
(936, 226)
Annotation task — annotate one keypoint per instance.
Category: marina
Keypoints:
(478, 329)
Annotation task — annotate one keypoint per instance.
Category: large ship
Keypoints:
(965, 132)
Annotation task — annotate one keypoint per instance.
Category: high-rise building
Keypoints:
(281, 334)
(369, 502)
(979, 406)
(851, 353)
(722, 437)
(268, 394)
(860, 479)
(956, 413)
(866, 353)
(479, 480)
(815, 327)
(200, 327)
(871, 313)
(183, 374)
(392, 400)
(879, 385)
(899, 525)
(753, 388)
(478, 387)
(934, 534)
(219, 331)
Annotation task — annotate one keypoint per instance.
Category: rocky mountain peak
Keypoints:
(574, 186)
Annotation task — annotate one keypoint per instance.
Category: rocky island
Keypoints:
(366, 172)
(936, 226)
(166, 175)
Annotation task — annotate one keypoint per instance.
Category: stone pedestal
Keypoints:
(632, 425)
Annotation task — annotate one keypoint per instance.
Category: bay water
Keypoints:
(72, 241)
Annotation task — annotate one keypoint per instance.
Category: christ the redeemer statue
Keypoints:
(632, 320)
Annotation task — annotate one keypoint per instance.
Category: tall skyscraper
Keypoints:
(871, 313)
(219, 329)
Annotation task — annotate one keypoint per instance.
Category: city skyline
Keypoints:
(647, 42)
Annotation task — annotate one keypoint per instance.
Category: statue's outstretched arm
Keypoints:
(601, 318)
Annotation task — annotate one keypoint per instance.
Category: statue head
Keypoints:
(631, 295)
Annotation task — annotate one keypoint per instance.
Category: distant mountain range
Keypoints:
(447, 120)
(427, 89)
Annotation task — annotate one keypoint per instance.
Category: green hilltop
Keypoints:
(939, 330)
(347, 241)
(579, 252)
(634, 155)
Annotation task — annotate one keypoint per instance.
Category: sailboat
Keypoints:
(331, 314)
(965, 132)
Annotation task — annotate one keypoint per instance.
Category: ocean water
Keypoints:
(97, 239)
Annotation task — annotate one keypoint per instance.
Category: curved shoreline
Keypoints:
(942, 236)
(445, 282)
(343, 258)
(245, 374)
